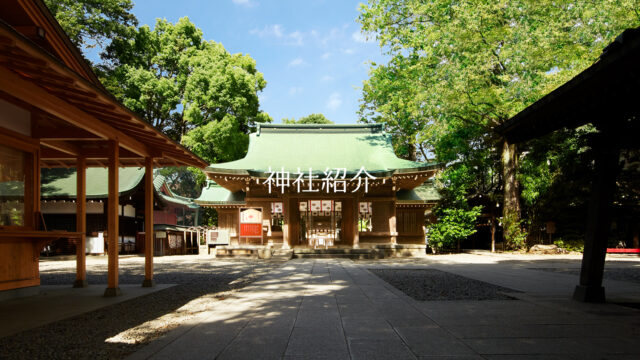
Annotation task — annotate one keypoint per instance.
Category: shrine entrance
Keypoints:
(320, 223)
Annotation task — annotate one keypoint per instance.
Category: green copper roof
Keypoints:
(424, 193)
(214, 194)
(62, 182)
(319, 147)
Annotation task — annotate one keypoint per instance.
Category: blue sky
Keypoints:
(311, 52)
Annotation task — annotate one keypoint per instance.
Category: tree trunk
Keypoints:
(511, 208)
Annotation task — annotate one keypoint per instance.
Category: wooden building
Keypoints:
(55, 113)
(605, 95)
(58, 194)
(321, 186)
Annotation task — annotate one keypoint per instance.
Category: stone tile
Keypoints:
(532, 330)
(366, 349)
(430, 341)
(310, 341)
(367, 328)
(256, 346)
(206, 340)
(541, 346)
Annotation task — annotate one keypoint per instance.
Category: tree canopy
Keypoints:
(309, 119)
(93, 23)
(459, 69)
(190, 88)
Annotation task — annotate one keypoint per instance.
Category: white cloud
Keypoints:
(334, 101)
(359, 37)
(297, 62)
(349, 51)
(326, 55)
(327, 78)
(247, 3)
(295, 90)
(269, 31)
(295, 38)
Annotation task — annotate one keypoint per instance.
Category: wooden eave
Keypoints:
(74, 116)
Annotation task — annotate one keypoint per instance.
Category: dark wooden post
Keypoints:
(598, 219)
(113, 217)
(148, 223)
(81, 222)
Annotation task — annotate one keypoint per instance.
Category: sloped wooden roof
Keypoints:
(73, 114)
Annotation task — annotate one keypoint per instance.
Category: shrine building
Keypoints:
(321, 186)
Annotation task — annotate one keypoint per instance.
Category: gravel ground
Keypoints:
(430, 284)
(622, 274)
(120, 329)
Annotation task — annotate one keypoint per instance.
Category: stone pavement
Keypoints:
(336, 309)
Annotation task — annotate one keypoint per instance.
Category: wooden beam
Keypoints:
(66, 133)
(81, 222)
(33, 94)
(148, 223)
(113, 216)
(63, 146)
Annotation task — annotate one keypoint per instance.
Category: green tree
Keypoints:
(309, 119)
(90, 23)
(459, 69)
(192, 89)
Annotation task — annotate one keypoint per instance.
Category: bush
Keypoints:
(573, 245)
(453, 225)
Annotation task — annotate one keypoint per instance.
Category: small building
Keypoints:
(58, 194)
(55, 113)
(322, 186)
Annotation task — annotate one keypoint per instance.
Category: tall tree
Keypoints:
(91, 23)
(190, 88)
(459, 69)
(309, 119)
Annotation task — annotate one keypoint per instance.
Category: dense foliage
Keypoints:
(458, 69)
(93, 23)
(309, 119)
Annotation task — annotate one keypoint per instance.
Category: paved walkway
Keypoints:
(336, 309)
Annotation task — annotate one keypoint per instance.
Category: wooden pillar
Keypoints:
(393, 228)
(607, 160)
(81, 222)
(148, 223)
(113, 217)
(286, 227)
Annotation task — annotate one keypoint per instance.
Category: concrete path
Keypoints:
(337, 309)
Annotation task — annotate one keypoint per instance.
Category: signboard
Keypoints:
(327, 205)
(251, 216)
(276, 208)
(337, 206)
(251, 230)
(251, 223)
(302, 206)
(315, 205)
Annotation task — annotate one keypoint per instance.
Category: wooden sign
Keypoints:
(337, 206)
(327, 205)
(251, 230)
(315, 205)
(251, 216)
(302, 206)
